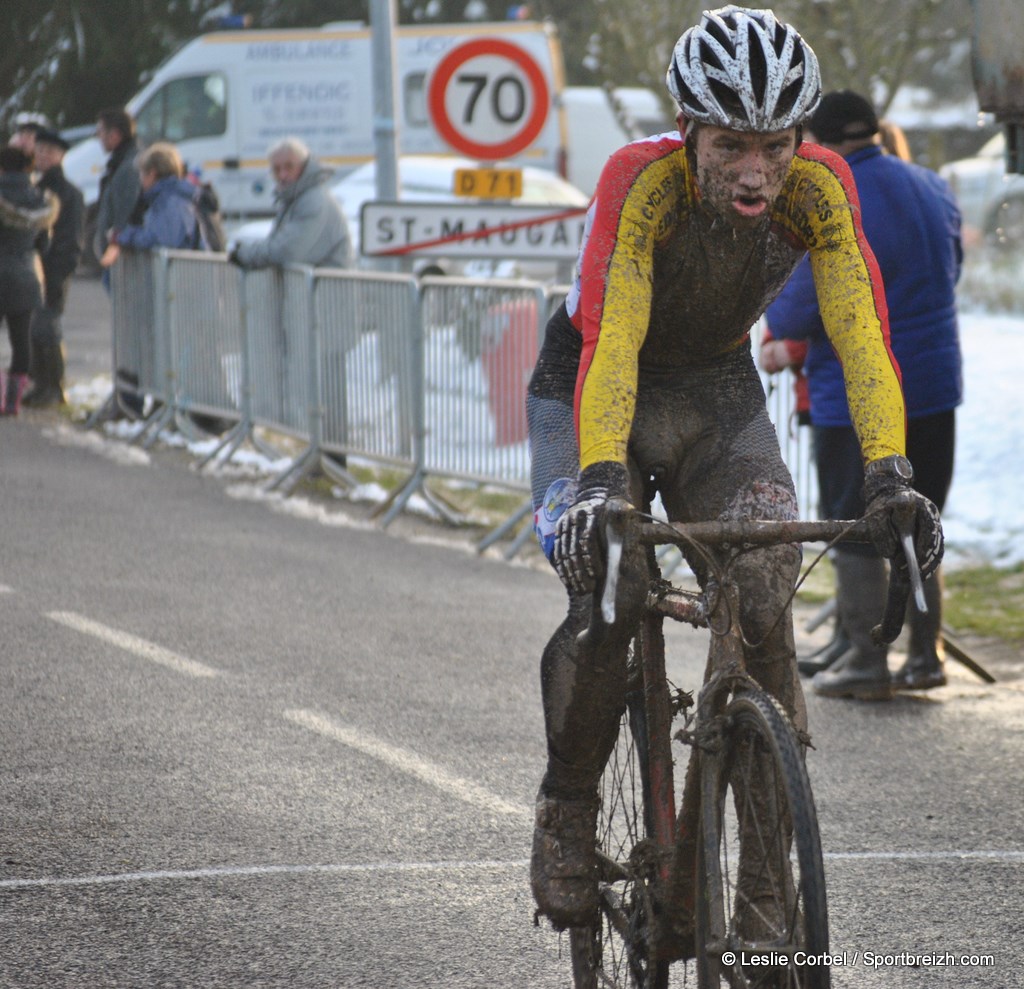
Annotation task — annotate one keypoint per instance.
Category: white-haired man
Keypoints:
(309, 227)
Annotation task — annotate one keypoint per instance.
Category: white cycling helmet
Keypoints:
(746, 70)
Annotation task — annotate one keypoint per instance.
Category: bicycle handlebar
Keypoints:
(623, 522)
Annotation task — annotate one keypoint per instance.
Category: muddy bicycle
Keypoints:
(732, 882)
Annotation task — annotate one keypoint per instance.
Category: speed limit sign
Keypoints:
(488, 99)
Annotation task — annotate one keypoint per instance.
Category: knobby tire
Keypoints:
(756, 740)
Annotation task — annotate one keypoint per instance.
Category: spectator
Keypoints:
(26, 214)
(912, 223)
(119, 184)
(26, 126)
(894, 141)
(309, 227)
(777, 355)
(165, 216)
(59, 262)
(168, 197)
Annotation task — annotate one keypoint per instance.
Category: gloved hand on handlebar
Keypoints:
(888, 494)
(578, 551)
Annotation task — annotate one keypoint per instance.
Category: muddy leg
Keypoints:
(584, 691)
(766, 579)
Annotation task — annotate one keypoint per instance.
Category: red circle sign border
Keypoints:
(446, 69)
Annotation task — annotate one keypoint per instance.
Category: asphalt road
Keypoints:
(247, 745)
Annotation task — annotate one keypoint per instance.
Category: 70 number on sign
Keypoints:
(489, 99)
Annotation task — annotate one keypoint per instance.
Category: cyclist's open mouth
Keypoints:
(750, 205)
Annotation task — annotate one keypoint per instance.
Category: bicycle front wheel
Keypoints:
(619, 950)
(761, 910)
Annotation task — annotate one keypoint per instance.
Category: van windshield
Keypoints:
(185, 108)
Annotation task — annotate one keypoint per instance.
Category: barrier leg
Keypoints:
(507, 526)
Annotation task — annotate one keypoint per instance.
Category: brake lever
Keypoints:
(611, 579)
(900, 584)
(903, 516)
(616, 519)
(891, 625)
(910, 553)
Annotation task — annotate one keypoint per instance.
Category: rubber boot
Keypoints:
(15, 385)
(36, 373)
(924, 669)
(823, 658)
(48, 377)
(862, 672)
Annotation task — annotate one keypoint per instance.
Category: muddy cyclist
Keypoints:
(645, 382)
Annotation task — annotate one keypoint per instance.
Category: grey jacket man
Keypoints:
(309, 227)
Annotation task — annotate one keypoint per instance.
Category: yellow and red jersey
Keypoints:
(664, 284)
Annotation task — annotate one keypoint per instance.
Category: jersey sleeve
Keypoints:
(616, 275)
(851, 299)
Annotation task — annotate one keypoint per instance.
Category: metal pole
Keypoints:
(385, 106)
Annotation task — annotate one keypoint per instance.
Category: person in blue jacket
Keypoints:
(912, 222)
(170, 217)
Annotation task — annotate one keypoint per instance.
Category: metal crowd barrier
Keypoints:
(205, 333)
(367, 326)
(429, 376)
(794, 439)
(136, 283)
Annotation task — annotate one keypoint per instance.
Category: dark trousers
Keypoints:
(46, 322)
(930, 447)
(18, 329)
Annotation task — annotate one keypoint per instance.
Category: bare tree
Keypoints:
(876, 46)
(74, 57)
(873, 46)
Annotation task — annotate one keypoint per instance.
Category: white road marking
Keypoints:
(133, 644)
(4, 589)
(258, 871)
(367, 868)
(408, 762)
(995, 855)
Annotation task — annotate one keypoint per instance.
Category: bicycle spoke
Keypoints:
(616, 953)
(762, 809)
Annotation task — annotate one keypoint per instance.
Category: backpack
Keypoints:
(208, 223)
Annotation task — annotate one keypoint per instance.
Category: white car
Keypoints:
(425, 178)
(992, 202)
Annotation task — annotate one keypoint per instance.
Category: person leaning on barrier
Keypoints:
(645, 383)
(59, 262)
(309, 227)
(169, 218)
(165, 216)
(119, 184)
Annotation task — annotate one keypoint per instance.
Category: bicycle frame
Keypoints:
(671, 827)
(733, 864)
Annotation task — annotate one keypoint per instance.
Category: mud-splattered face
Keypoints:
(739, 174)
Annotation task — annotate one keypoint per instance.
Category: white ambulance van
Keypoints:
(224, 98)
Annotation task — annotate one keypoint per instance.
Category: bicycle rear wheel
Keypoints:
(766, 899)
(618, 951)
